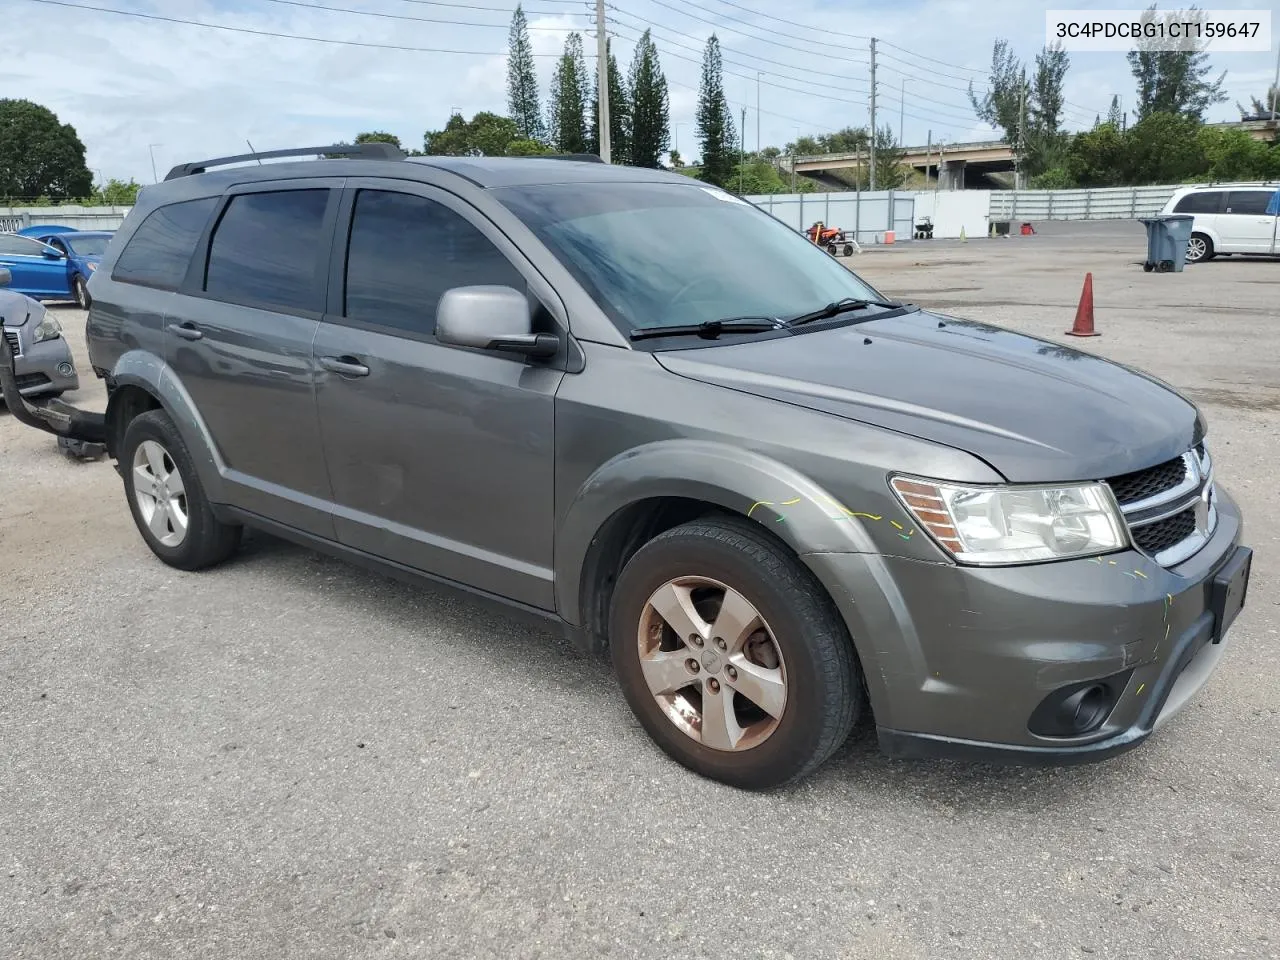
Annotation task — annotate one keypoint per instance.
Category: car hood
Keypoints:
(16, 308)
(1032, 409)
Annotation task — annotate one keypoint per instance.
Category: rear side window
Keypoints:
(1209, 201)
(268, 249)
(160, 250)
(1248, 202)
(406, 251)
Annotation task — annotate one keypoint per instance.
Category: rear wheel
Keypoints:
(1199, 248)
(831, 249)
(848, 249)
(732, 656)
(81, 291)
(165, 496)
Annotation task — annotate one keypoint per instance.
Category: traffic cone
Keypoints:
(992, 232)
(1083, 327)
(963, 238)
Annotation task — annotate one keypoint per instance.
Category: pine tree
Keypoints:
(716, 134)
(1173, 81)
(649, 135)
(619, 113)
(567, 121)
(522, 80)
(1114, 116)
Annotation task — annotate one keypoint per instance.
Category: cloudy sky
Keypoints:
(134, 87)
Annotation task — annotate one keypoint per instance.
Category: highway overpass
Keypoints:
(960, 165)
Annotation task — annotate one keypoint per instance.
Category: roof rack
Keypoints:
(363, 151)
(579, 157)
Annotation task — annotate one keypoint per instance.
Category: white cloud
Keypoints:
(125, 83)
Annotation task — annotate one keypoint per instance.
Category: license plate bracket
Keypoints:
(1228, 589)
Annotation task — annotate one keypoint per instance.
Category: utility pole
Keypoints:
(602, 69)
(151, 149)
(1275, 83)
(902, 110)
(928, 155)
(872, 177)
(1020, 149)
(742, 150)
(757, 111)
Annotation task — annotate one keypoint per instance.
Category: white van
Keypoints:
(1229, 218)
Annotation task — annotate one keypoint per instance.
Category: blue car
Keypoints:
(37, 269)
(82, 251)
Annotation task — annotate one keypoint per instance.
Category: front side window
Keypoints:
(268, 250)
(88, 246)
(1248, 202)
(667, 254)
(405, 252)
(160, 250)
(1207, 201)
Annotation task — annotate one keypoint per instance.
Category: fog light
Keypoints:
(1077, 709)
(66, 369)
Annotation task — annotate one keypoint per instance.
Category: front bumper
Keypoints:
(44, 367)
(959, 659)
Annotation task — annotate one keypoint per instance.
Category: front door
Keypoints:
(1244, 224)
(36, 268)
(238, 337)
(441, 457)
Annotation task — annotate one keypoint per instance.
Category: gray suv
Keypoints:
(636, 406)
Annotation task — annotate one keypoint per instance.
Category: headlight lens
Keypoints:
(92, 266)
(1005, 525)
(47, 329)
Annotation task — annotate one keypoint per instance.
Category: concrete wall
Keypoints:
(952, 210)
(81, 218)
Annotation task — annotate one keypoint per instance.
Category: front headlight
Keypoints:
(1015, 524)
(92, 266)
(47, 329)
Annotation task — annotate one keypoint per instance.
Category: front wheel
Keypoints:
(1199, 248)
(166, 498)
(732, 656)
(81, 291)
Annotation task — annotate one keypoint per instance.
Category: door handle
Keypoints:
(344, 366)
(187, 331)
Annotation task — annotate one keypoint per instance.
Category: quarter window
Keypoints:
(405, 252)
(159, 252)
(268, 250)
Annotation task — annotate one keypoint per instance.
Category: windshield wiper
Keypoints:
(839, 307)
(709, 329)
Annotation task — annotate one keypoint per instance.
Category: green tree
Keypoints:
(527, 148)
(759, 176)
(116, 193)
(619, 112)
(1261, 108)
(715, 129)
(805, 146)
(1001, 105)
(1234, 155)
(1097, 158)
(1163, 148)
(1046, 143)
(649, 136)
(1174, 81)
(675, 160)
(486, 134)
(379, 136)
(39, 156)
(1114, 117)
(569, 98)
(891, 172)
(522, 80)
(847, 140)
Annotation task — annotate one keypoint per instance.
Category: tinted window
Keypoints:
(12, 246)
(267, 249)
(1207, 202)
(1248, 201)
(160, 249)
(88, 246)
(405, 252)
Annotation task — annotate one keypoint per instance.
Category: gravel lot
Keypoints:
(289, 757)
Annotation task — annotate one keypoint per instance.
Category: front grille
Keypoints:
(1163, 534)
(14, 343)
(28, 380)
(1141, 484)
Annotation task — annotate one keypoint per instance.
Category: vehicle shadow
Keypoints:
(857, 770)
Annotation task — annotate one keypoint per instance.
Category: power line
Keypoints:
(768, 16)
(921, 56)
(405, 16)
(806, 50)
(506, 10)
(276, 34)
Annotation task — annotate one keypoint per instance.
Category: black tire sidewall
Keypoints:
(202, 527)
(789, 750)
(81, 292)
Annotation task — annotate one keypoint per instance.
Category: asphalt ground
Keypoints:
(289, 757)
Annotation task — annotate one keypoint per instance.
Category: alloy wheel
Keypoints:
(712, 663)
(160, 493)
(1195, 249)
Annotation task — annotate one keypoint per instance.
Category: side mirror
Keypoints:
(51, 254)
(491, 318)
(6, 277)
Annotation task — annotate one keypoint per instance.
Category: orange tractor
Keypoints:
(835, 240)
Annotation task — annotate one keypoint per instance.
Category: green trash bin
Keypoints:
(1167, 242)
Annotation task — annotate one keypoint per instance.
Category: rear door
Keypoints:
(1244, 224)
(441, 457)
(238, 336)
(34, 274)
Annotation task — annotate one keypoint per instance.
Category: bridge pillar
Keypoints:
(951, 174)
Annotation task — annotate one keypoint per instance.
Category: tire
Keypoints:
(848, 249)
(80, 290)
(152, 445)
(1199, 248)
(798, 651)
(1148, 267)
(831, 249)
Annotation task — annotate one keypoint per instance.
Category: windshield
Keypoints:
(87, 246)
(667, 254)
